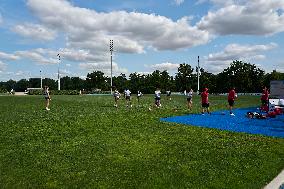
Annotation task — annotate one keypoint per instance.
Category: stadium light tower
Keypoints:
(40, 79)
(58, 55)
(111, 50)
(198, 68)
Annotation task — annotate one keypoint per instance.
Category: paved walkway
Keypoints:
(277, 182)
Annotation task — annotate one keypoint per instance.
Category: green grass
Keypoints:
(84, 142)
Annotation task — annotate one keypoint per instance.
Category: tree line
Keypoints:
(245, 77)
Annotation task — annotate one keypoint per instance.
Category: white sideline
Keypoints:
(276, 182)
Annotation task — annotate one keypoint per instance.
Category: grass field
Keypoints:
(84, 142)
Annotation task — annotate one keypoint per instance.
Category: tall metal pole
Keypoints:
(40, 80)
(58, 72)
(111, 49)
(198, 68)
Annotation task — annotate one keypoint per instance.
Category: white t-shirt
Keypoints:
(46, 93)
(189, 94)
(116, 93)
(158, 94)
(127, 92)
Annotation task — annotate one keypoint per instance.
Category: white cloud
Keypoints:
(131, 31)
(7, 56)
(236, 51)
(144, 73)
(216, 62)
(36, 57)
(3, 66)
(178, 2)
(254, 17)
(81, 55)
(35, 32)
(165, 66)
(103, 67)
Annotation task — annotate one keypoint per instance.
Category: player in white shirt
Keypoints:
(127, 94)
(189, 95)
(116, 96)
(139, 95)
(158, 97)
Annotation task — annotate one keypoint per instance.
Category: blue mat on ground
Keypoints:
(239, 123)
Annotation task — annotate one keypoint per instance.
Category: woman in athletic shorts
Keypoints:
(189, 98)
(116, 96)
(128, 97)
(158, 97)
(47, 97)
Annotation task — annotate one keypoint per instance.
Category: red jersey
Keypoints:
(204, 97)
(231, 95)
(264, 95)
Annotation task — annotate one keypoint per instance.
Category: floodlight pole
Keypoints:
(58, 72)
(111, 50)
(40, 79)
(198, 76)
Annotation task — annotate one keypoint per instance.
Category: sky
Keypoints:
(148, 35)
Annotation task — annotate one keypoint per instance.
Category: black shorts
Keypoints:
(46, 98)
(188, 99)
(205, 105)
(157, 98)
(231, 102)
(127, 97)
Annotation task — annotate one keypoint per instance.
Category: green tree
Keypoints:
(208, 80)
(22, 85)
(51, 83)
(245, 77)
(66, 83)
(34, 83)
(120, 82)
(274, 75)
(96, 80)
(185, 77)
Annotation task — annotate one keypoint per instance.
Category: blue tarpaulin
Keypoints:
(239, 123)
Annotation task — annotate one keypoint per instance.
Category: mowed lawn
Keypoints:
(85, 142)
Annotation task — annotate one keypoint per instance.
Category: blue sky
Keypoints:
(148, 35)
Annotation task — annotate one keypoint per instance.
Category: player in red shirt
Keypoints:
(205, 101)
(264, 97)
(231, 100)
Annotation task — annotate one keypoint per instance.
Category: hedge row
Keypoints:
(66, 92)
